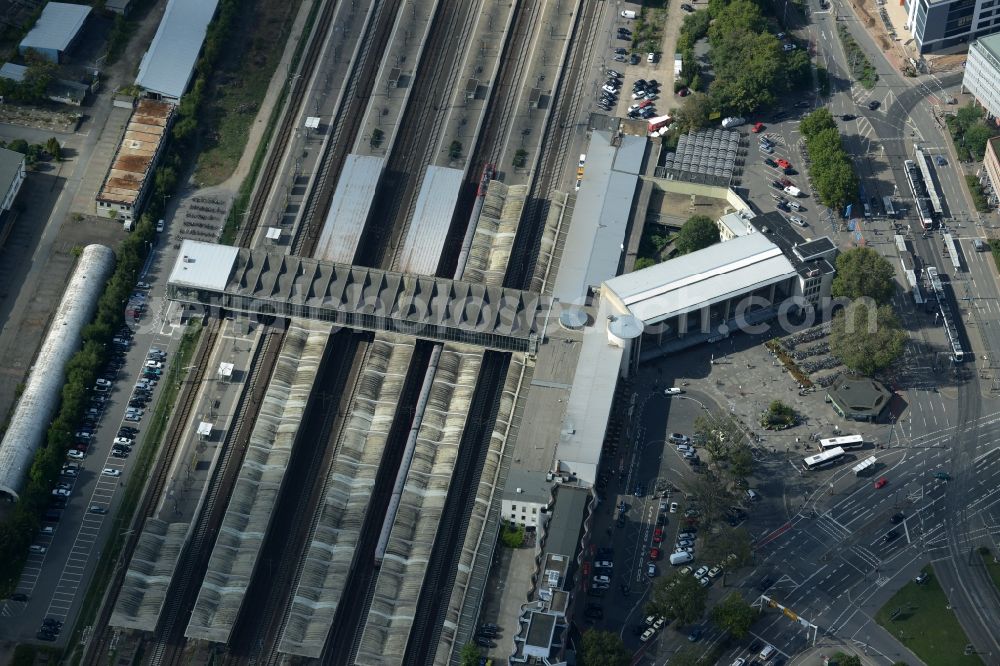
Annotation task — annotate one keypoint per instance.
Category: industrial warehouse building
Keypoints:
(168, 66)
(130, 175)
(56, 31)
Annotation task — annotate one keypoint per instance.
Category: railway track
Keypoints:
(346, 127)
(435, 593)
(175, 434)
(286, 128)
(168, 645)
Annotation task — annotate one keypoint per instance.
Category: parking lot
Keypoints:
(650, 476)
(86, 498)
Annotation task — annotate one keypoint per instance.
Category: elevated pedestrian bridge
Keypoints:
(266, 283)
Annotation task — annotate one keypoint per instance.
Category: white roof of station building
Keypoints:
(593, 249)
(168, 65)
(700, 278)
(205, 265)
(349, 209)
(431, 220)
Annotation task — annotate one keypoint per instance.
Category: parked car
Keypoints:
(73, 453)
(35, 548)
(111, 471)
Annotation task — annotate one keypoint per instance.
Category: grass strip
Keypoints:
(861, 68)
(992, 565)
(920, 617)
(242, 201)
(133, 489)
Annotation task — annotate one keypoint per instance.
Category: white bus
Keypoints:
(846, 442)
(821, 460)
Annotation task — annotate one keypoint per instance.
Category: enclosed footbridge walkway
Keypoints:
(267, 283)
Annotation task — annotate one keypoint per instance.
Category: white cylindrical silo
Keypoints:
(37, 406)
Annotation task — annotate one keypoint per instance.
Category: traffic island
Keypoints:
(920, 617)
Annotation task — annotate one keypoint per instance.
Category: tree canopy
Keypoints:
(697, 233)
(734, 615)
(680, 597)
(864, 273)
(603, 648)
(470, 655)
(866, 339)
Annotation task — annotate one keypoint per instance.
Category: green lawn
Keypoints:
(925, 624)
(238, 87)
(992, 567)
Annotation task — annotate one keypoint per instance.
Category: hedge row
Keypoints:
(18, 531)
(789, 363)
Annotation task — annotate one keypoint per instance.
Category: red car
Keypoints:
(654, 554)
(757, 128)
(783, 163)
(881, 482)
(657, 536)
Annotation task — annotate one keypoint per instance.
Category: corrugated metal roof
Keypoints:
(592, 252)
(630, 154)
(135, 155)
(701, 278)
(203, 265)
(168, 65)
(431, 220)
(56, 27)
(352, 201)
(13, 72)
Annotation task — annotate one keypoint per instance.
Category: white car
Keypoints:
(787, 47)
(154, 364)
(111, 471)
(739, 661)
(646, 635)
(124, 441)
(683, 543)
(795, 219)
(651, 57)
(651, 570)
(673, 507)
(73, 453)
(673, 390)
(61, 492)
(704, 581)
(35, 548)
(103, 382)
(602, 579)
(714, 572)
(638, 94)
(133, 418)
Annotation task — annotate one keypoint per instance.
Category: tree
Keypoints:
(512, 536)
(687, 655)
(778, 416)
(53, 148)
(697, 233)
(798, 69)
(643, 262)
(725, 542)
(817, 121)
(679, 597)
(842, 659)
(734, 615)
(694, 112)
(719, 432)
(711, 496)
(603, 648)
(864, 273)
(740, 462)
(470, 655)
(866, 339)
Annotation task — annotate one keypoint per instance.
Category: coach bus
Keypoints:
(846, 442)
(821, 460)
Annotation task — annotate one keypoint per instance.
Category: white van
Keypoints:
(583, 159)
(628, 13)
(679, 558)
(766, 653)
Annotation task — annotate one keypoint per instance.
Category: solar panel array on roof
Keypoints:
(704, 157)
